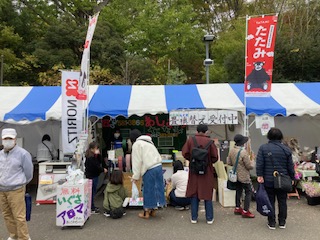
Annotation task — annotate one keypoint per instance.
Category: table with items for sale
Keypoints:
(73, 206)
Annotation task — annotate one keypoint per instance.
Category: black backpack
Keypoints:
(199, 158)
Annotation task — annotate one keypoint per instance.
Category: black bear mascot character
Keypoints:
(258, 78)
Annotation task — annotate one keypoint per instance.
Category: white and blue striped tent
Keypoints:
(31, 104)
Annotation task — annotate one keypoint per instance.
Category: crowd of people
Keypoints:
(188, 187)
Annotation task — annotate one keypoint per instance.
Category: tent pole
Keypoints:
(245, 130)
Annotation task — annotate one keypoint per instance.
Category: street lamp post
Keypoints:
(1, 71)
(207, 62)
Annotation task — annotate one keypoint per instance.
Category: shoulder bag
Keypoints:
(49, 150)
(232, 176)
(280, 180)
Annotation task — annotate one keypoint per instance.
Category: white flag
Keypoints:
(84, 73)
(72, 111)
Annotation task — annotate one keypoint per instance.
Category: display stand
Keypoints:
(73, 204)
(50, 174)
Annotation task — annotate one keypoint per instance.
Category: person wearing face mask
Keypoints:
(117, 146)
(16, 170)
(93, 168)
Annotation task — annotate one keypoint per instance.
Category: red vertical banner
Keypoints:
(260, 43)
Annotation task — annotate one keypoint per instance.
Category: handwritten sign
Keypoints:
(73, 204)
(210, 117)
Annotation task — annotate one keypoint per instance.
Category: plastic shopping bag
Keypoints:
(264, 206)
(135, 191)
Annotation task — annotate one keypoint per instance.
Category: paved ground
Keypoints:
(303, 223)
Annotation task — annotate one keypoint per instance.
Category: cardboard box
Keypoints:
(227, 198)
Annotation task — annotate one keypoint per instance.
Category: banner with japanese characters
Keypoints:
(84, 74)
(72, 111)
(196, 117)
(260, 43)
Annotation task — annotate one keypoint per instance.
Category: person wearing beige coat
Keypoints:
(243, 175)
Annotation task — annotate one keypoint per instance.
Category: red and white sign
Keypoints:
(72, 111)
(260, 42)
(84, 73)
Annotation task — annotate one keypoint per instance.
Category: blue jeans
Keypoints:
(153, 188)
(94, 191)
(195, 207)
(178, 201)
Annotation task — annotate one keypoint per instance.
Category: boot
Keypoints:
(144, 214)
(152, 213)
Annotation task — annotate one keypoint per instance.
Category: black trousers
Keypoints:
(282, 205)
(247, 190)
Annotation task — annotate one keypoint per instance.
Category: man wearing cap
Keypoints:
(16, 170)
(243, 175)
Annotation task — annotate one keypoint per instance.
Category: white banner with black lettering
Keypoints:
(72, 111)
(202, 116)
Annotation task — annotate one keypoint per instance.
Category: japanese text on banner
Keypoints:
(260, 43)
(84, 75)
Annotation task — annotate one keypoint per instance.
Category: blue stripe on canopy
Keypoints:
(183, 96)
(35, 105)
(259, 105)
(110, 100)
(311, 90)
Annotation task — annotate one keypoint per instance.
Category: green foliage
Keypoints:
(152, 42)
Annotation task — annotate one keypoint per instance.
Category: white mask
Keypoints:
(8, 144)
(116, 135)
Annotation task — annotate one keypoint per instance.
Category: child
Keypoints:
(115, 193)
(93, 170)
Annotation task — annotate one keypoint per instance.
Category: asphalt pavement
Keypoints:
(303, 222)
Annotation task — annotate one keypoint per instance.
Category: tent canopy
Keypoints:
(30, 104)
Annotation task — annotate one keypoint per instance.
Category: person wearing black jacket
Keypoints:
(282, 160)
(93, 168)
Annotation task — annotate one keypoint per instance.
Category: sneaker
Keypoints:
(210, 222)
(247, 214)
(238, 211)
(124, 213)
(10, 238)
(107, 214)
(271, 226)
(179, 208)
(186, 208)
(283, 226)
(95, 211)
(194, 221)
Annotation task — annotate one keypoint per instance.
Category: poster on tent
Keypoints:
(84, 74)
(260, 43)
(264, 122)
(72, 111)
